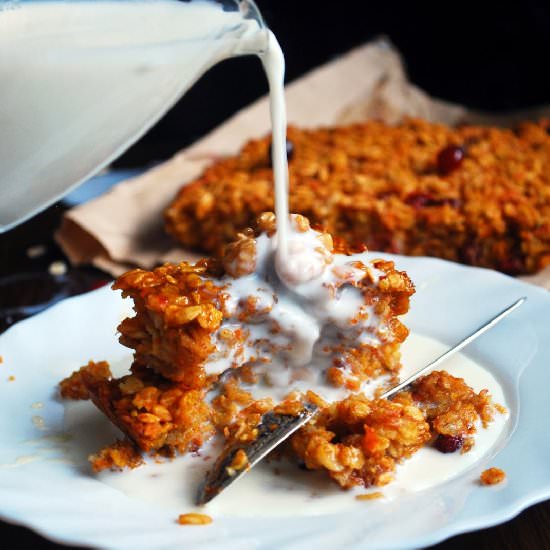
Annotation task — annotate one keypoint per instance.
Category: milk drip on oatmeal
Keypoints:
(300, 322)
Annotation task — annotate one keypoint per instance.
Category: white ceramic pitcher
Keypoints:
(81, 81)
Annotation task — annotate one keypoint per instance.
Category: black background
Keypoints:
(488, 55)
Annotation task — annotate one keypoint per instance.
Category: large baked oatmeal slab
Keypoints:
(471, 194)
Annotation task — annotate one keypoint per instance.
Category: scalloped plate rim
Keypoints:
(504, 512)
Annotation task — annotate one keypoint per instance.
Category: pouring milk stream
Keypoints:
(83, 80)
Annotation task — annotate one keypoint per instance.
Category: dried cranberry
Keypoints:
(448, 443)
(449, 159)
(289, 152)
(512, 266)
(471, 253)
(454, 202)
(194, 447)
(289, 149)
(420, 200)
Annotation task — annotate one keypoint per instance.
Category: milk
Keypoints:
(82, 81)
(293, 492)
(274, 65)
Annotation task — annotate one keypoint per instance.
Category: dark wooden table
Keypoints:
(25, 281)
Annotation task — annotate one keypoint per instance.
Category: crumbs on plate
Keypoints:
(194, 518)
(492, 476)
(370, 496)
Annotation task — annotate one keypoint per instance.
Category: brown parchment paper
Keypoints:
(124, 227)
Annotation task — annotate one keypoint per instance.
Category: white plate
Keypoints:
(45, 481)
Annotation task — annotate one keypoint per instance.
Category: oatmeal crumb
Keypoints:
(240, 460)
(194, 519)
(57, 268)
(11, 378)
(239, 258)
(370, 496)
(119, 455)
(492, 476)
(36, 251)
(1, 359)
(38, 421)
(75, 386)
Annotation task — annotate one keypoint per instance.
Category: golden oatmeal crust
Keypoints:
(157, 414)
(391, 188)
(160, 416)
(370, 496)
(358, 441)
(389, 299)
(177, 309)
(452, 407)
